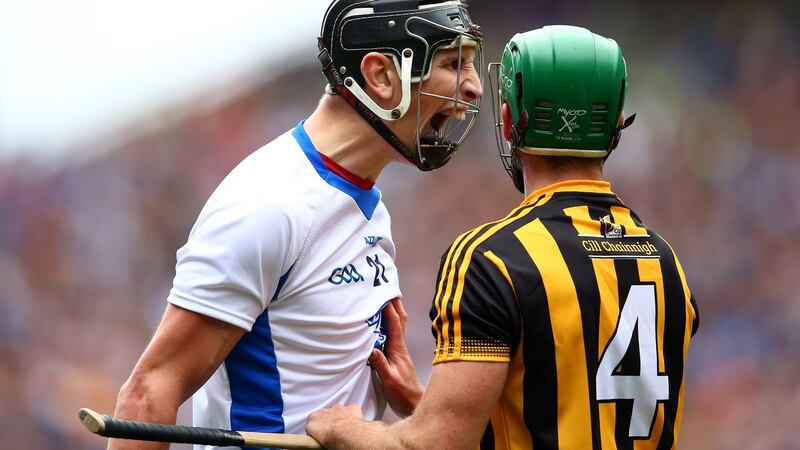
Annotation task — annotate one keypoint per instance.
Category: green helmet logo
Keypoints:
(565, 88)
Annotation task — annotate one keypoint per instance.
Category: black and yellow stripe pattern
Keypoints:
(544, 290)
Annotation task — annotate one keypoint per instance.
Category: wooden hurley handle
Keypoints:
(111, 427)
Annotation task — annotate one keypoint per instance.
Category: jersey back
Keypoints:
(592, 312)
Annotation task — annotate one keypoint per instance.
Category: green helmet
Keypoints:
(565, 87)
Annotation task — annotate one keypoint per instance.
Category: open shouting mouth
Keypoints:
(436, 126)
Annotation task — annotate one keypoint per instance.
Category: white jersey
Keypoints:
(303, 260)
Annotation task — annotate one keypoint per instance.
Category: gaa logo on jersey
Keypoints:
(347, 274)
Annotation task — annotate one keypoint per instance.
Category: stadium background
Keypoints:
(87, 249)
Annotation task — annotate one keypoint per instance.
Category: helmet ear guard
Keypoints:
(410, 32)
(405, 79)
(565, 87)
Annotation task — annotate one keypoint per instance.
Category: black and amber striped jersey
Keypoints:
(589, 308)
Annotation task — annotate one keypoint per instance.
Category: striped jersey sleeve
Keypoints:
(474, 314)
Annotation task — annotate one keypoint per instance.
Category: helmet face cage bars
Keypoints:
(444, 142)
(505, 148)
(353, 28)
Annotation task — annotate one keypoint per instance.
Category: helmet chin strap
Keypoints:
(515, 165)
(515, 171)
(618, 134)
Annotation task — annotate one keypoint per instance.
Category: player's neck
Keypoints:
(340, 134)
(540, 173)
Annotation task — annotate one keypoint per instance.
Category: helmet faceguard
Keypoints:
(409, 32)
(565, 87)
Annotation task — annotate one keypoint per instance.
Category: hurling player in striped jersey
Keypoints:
(281, 292)
(566, 324)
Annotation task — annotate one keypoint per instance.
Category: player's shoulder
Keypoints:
(659, 241)
(271, 184)
(277, 166)
(502, 227)
(489, 236)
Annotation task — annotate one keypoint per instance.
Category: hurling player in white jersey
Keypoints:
(286, 295)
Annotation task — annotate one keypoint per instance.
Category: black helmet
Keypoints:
(408, 31)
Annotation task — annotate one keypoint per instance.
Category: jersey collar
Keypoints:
(366, 199)
(589, 186)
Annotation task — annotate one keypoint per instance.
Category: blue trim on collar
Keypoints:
(366, 199)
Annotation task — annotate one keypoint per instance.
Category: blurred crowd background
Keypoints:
(87, 249)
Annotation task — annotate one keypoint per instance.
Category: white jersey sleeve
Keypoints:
(242, 244)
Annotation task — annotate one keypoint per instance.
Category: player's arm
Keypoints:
(185, 351)
(453, 413)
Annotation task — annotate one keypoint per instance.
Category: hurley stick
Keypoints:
(111, 427)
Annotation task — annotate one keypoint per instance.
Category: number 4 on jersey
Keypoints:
(647, 388)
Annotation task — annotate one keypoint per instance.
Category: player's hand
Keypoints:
(396, 371)
(327, 425)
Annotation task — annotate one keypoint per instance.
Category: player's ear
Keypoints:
(380, 78)
(505, 112)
